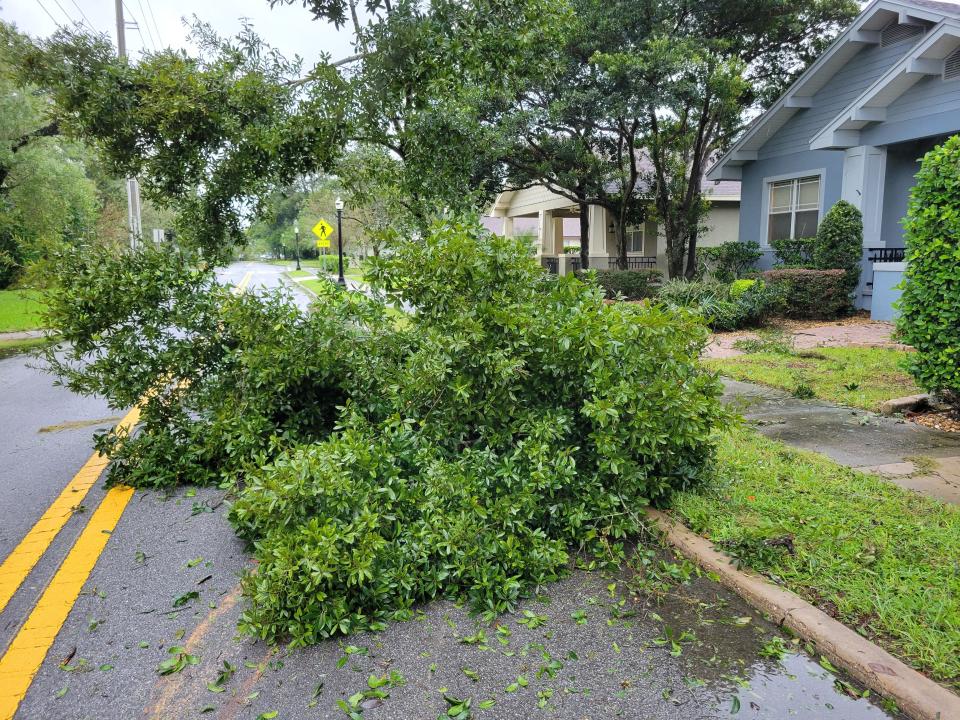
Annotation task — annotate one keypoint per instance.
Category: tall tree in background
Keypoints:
(643, 93)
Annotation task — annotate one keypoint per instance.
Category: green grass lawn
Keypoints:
(299, 273)
(855, 376)
(882, 560)
(19, 310)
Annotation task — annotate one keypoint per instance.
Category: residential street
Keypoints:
(168, 577)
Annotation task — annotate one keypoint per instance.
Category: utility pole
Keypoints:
(133, 187)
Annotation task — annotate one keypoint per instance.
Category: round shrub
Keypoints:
(930, 304)
(808, 294)
(730, 260)
(839, 242)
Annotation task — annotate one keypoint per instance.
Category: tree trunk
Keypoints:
(674, 251)
(691, 272)
(584, 236)
(621, 230)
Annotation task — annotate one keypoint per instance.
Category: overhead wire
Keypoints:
(42, 7)
(146, 22)
(84, 15)
(136, 24)
(68, 15)
(155, 26)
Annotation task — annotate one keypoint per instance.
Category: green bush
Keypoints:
(631, 284)
(513, 419)
(930, 304)
(839, 242)
(722, 307)
(730, 260)
(794, 252)
(810, 294)
(328, 263)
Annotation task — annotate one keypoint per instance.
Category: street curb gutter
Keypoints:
(916, 695)
(294, 284)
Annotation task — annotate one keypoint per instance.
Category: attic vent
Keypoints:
(895, 33)
(951, 66)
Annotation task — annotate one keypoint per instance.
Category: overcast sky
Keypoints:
(289, 28)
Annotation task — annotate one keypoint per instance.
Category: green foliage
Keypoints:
(930, 304)
(721, 308)
(461, 454)
(739, 287)
(631, 284)
(794, 252)
(839, 242)
(811, 294)
(730, 260)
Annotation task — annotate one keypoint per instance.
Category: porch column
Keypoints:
(864, 173)
(597, 237)
(547, 234)
(508, 227)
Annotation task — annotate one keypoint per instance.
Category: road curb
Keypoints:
(294, 284)
(917, 695)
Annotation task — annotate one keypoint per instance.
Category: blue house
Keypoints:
(854, 127)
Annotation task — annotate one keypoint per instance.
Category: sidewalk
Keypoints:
(910, 455)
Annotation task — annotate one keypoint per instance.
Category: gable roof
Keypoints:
(926, 58)
(863, 31)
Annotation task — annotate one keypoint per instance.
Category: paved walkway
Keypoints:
(851, 332)
(23, 335)
(910, 455)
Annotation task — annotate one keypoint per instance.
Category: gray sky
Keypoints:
(289, 28)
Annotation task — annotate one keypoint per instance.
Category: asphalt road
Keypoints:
(169, 573)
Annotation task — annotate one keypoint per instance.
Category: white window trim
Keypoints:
(642, 227)
(765, 199)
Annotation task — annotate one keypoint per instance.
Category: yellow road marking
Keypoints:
(30, 646)
(25, 555)
(242, 285)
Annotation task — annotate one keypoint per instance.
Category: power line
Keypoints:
(48, 13)
(69, 17)
(136, 25)
(146, 22)
(155, 26)
(82, 13)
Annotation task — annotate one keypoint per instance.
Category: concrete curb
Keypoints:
(903, 404)
(300, 286)
(916, 695)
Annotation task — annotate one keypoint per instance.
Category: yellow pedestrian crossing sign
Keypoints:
(323, 230)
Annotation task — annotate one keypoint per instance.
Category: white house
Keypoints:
(555, 222)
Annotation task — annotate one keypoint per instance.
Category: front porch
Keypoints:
(556, 232)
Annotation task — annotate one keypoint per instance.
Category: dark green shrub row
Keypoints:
(794, 252)
(376, 464)
(810, 294)
(631, 284)
(930, 304)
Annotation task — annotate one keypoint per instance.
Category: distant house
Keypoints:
(555, 223)
(854, 127)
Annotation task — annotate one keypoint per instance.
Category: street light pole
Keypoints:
(339, 205)
(296, 235)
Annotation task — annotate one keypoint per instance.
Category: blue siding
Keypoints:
(886, 292)
(903, 162)
(842, 89)
(751, 188)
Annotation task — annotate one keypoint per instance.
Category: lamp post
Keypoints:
(339, 205)
(296, 235)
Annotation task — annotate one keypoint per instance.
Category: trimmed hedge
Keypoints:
(811, 294)
(930, 304)
(632, 284)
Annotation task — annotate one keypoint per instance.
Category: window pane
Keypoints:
(635, 240)
(806, 225)
(780, 226)
(781, 196)
(809, 194)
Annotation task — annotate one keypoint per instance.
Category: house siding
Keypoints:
(903, 163)
(863, 69)
(752, 222)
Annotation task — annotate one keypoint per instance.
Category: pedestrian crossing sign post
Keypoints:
(323, 230)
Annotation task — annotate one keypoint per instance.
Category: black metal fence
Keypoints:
(884, 255)
(634, 263)
(574, 263)
(551, 265)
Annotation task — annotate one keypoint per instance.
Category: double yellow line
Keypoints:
(28, 649)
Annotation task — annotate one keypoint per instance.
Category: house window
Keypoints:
(794, 208)
(635, 239)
